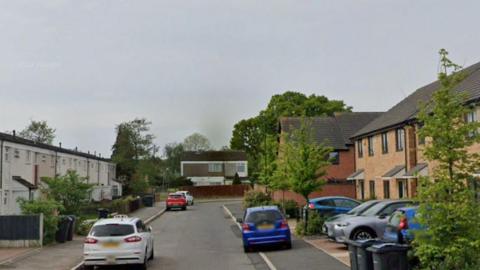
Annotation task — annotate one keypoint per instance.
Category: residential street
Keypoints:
(205, 237)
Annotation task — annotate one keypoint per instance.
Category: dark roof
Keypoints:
(214, 156)
(334, 130)
(413, 171)
(20, 140)
(394, 171)
(407, 109)
(24, 182)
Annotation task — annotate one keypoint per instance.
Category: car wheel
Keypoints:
(246, 249)
(363, 234)
(88, 267)
(184, 208)
(167, 209)
(143, 266)
(152, 254)
(288, 245)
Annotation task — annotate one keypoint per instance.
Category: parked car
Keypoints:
(264, 225)
(176, 200)
(402, 225)
(118, 240)
(329, 224)
(188, 196)
(370, 224)
(331, 206)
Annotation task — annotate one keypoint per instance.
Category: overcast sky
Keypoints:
(202, 65)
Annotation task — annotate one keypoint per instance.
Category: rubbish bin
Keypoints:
(71, 227)
(62, 230)
(148, 200)
(103, 213)
(389, 256)
(352, 252)
(364, 257)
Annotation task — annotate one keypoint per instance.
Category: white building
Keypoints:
(23, 163)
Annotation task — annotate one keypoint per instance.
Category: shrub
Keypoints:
(290, 207)
(84, 226)
(256, 198)
(314, 225)
(49, 209)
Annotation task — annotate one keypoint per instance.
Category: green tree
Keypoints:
(249, 134)
(173, 153)
(268, 161)
(49, 208)
(70, 190)
(448, 208)
(38, 131)
(305, 161)
(236, 180)
(197, 142)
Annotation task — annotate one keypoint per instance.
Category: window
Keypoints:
(392, 208)
(329, 203)
(345, 203)
(16, 153)
(384, 142)
(215, 167)
(360, 148)
(140, 226)
(386, 189)
(334, 157)
(372, 189)
(64, 161)
(470, 118)
(370, 146)
(28, 157)
(400, 138)
(7, 155)
(112, 230)
(241, 167)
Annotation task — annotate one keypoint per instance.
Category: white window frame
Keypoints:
(215, 167)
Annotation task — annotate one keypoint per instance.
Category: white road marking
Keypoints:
(262, 255)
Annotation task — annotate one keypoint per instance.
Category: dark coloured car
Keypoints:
(331, 206)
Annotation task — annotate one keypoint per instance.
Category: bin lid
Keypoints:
(388, 247)
(365, 243)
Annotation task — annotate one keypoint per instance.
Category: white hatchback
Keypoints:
(187, 195)
(118, 240)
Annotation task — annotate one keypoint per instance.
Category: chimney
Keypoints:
(88, 152)
(14, 133)
(76, 148)
(60, 144)
(95, 153)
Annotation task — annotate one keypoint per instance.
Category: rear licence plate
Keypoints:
(265, 227)
(110, 245)
(110, 259)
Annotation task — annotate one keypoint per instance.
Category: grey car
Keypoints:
(370, 224)
(329, 224)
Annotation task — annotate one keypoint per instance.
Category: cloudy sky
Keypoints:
(202, 65)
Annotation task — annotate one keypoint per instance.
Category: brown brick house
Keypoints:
(388, 151)
(335, 131)
(214, 167)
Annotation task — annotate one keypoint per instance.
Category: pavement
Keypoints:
(302, 256)
(63, 256)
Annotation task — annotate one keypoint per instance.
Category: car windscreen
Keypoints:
(362, 208)
(260, 217)
(112, 230)
(374, 210)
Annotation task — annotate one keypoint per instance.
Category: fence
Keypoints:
(21, 231)
(217, 191)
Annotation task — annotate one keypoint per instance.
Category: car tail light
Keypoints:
(403, 224)
(311, 206)
(90, 240)
(133, 239)
(245, 227)
(284, 224)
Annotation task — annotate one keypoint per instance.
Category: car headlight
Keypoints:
(343, 224)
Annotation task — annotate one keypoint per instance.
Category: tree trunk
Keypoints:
(306, 215)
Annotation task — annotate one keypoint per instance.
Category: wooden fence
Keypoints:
(21, 231)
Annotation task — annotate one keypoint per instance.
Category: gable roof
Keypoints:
(407, 109)
(214, 156)
(334, 130)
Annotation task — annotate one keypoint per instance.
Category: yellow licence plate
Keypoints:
(265, 227)
(110, 245)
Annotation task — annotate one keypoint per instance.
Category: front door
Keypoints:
(361, 185)
(402, 189)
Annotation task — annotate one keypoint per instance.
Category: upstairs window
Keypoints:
(241, 167)
(28, 157)
(334, 158)
(400, 138)
(471, 117)
(360, 148)
(370, 146)
(384, 142)
(215, 167)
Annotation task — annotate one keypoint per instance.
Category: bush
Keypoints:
(84, 226)
(49, 209)
(290, 207)
(314, 226)
(256, 198)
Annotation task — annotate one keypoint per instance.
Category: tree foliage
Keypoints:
(197, 142)
(173, 155)
(70, 190)
(249, 134)
(38, 131)
(448, 209)
(49, 208)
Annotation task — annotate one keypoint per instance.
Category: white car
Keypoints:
(187, 196)
(119, 240)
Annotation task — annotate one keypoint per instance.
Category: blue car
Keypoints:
(331, 206)
(401, 226)
(264, 226)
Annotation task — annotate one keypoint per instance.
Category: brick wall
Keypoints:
(217, 191)
(345, 167)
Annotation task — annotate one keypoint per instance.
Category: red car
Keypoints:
(176, 200)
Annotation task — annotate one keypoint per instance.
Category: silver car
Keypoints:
(328, 226)
(370, 224)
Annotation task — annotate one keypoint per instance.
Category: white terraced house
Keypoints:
(23, 163)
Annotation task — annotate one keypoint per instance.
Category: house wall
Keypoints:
(198, 171)
(345, 167)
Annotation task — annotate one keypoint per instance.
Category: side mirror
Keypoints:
(150, 228)
(239, 220)
(383, 216)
